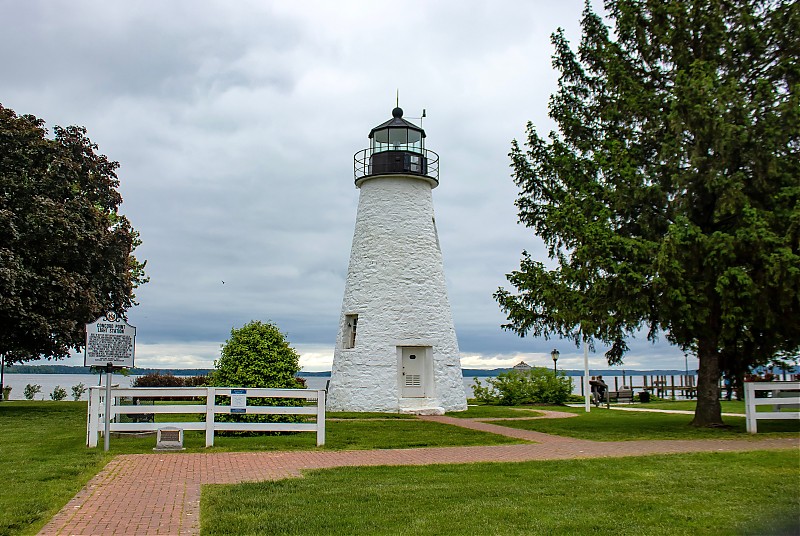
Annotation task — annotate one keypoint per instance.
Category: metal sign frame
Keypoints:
(110, 341)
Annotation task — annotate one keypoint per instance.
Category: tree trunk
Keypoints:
(738, 385)
(709, 411)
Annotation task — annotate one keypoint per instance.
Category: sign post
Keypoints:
(586, 386)
(110, 342)
(107, 427)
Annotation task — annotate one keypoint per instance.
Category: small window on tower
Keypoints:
(349, 335)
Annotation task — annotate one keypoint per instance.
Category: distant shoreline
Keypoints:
(467, 372)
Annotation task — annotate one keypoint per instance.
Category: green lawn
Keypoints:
(44, 461)
(732, 406)
(503, 412)
(691, 494)
(340, 434)
(366, 415)
(602, 424)
(728, 406)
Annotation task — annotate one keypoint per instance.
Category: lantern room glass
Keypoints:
(397, 139)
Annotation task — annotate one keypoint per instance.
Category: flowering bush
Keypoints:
(59, 393)
(77, 391)
(31, 390)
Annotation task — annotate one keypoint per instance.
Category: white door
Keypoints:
(413, 377)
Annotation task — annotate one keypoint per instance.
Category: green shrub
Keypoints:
(77, 391)
(257, 355)
(58, 394)
(31, 390)
(536, 386)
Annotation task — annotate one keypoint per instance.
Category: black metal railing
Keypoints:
(424, 163)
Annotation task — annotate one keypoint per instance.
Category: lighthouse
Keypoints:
(396, 348)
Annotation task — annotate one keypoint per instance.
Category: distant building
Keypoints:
(522, 366)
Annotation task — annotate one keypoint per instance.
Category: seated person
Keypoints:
(599, 387)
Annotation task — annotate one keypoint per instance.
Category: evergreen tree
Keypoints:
(669, 198)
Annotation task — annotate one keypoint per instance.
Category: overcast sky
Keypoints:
(235, 124)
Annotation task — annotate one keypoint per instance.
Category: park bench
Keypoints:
(619, 396)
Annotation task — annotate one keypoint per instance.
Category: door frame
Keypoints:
(426, 368)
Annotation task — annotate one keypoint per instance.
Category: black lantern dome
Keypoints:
(397, 147)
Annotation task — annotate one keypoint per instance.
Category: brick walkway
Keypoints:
(160, 493)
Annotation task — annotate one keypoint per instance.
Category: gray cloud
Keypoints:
(235, 124)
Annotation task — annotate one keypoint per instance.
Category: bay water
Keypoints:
(49, 382)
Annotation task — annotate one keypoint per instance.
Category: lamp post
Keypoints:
(554, 354)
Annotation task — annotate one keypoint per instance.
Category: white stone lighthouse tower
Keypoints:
(397, 348)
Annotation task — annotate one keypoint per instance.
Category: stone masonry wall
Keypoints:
(396, 286)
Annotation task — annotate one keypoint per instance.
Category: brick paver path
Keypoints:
(160, 493)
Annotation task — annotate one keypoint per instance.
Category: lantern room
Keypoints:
(397, 134)
(397, 147)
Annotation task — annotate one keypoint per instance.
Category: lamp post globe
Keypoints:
(554, 354)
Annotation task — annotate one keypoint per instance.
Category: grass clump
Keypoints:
(719, 493)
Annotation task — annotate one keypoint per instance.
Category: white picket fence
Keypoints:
(96, 412)
(784, 395)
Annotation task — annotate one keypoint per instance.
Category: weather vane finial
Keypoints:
(397, 99)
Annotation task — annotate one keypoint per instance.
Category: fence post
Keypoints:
(88, 417)
(750, 408)
(210, 401)
(94, 417)
(320, 418)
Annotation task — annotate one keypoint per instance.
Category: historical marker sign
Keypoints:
(109, 341)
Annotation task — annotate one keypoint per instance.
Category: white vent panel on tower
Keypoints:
(413, 380)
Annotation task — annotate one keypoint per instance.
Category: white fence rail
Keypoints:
(96, 411)
(780, 395)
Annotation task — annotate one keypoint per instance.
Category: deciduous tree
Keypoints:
(669, 197)
(66, 253)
